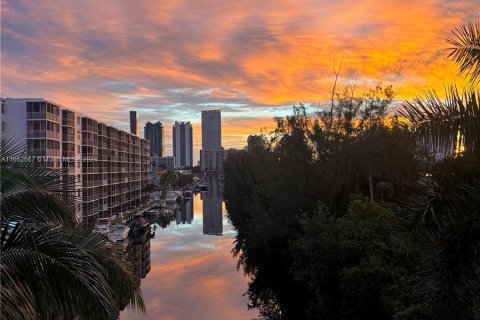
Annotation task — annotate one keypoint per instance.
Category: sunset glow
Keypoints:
(253, 59)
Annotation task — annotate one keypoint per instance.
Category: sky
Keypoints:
(252, 59)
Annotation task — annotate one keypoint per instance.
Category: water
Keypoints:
(192, 272)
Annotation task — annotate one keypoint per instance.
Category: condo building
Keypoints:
(183, 144)
(153, 132)
(106, 167)
(133, 123)
(162, 163)
(212, 154)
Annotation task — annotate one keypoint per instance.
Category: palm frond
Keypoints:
(62, 275)
(448, 126)
(442, 216)
(52, 266)
(466, 50)
(39, 207)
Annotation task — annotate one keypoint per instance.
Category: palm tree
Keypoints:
(465, 50)
(443, 215)
(53, 266)
(450, 126)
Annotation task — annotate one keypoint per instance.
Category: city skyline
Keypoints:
(252, 60)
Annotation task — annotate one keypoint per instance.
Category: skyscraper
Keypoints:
(153, 132)
(183, 144)
(211, 155)
(211, 130)
(133, 123)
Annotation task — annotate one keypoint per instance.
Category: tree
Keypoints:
(353, 266)
(308, 159)
(53, 266)
(443, 214)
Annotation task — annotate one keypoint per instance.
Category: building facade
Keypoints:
(106, 168)
(183, 144)
(211, 130)
(211, 155)
(163, 163)
(153, 132)
(133, 123)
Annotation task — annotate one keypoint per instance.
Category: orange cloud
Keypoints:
(174, 57)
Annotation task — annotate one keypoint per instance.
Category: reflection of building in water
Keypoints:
(138, 249)
(212, 206)
(184, 213)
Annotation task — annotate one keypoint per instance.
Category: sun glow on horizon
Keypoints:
(172, 59)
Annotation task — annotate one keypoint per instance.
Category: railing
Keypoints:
(43, 134)
(68, 122)
(43, 115)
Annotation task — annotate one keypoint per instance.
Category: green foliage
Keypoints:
(353, 266)
(53, 266)
(443, 217)
(442, 214)
(272, 194)
(173, 178)
(349, 258)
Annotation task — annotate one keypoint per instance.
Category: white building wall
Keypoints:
(15, 122)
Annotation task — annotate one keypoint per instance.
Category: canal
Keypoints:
(192, 274)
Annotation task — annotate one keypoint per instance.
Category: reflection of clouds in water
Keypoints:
(193, 276)
(192, 247)
(230, 232)
(201, 283)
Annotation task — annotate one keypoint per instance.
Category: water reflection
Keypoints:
(138, 247)
(212, 206)
(193, 274)
(184, 213)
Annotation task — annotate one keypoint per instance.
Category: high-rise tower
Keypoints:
(133, 123)
(183, 144)
(153, 132)
(211, 155)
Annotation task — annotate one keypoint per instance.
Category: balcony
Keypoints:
(42, 134)
(43, 116)
(68, 122)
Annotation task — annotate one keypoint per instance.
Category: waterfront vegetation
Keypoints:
(177, 179)
(363, 210)
(52, 266)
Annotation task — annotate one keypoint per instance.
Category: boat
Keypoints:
(173, 198)
(202, 185)
(187, 193)
(118, 233)
(103, 226)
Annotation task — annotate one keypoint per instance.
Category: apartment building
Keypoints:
(182, 135)
(153, 132)
(106, 167)
(212, 154)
